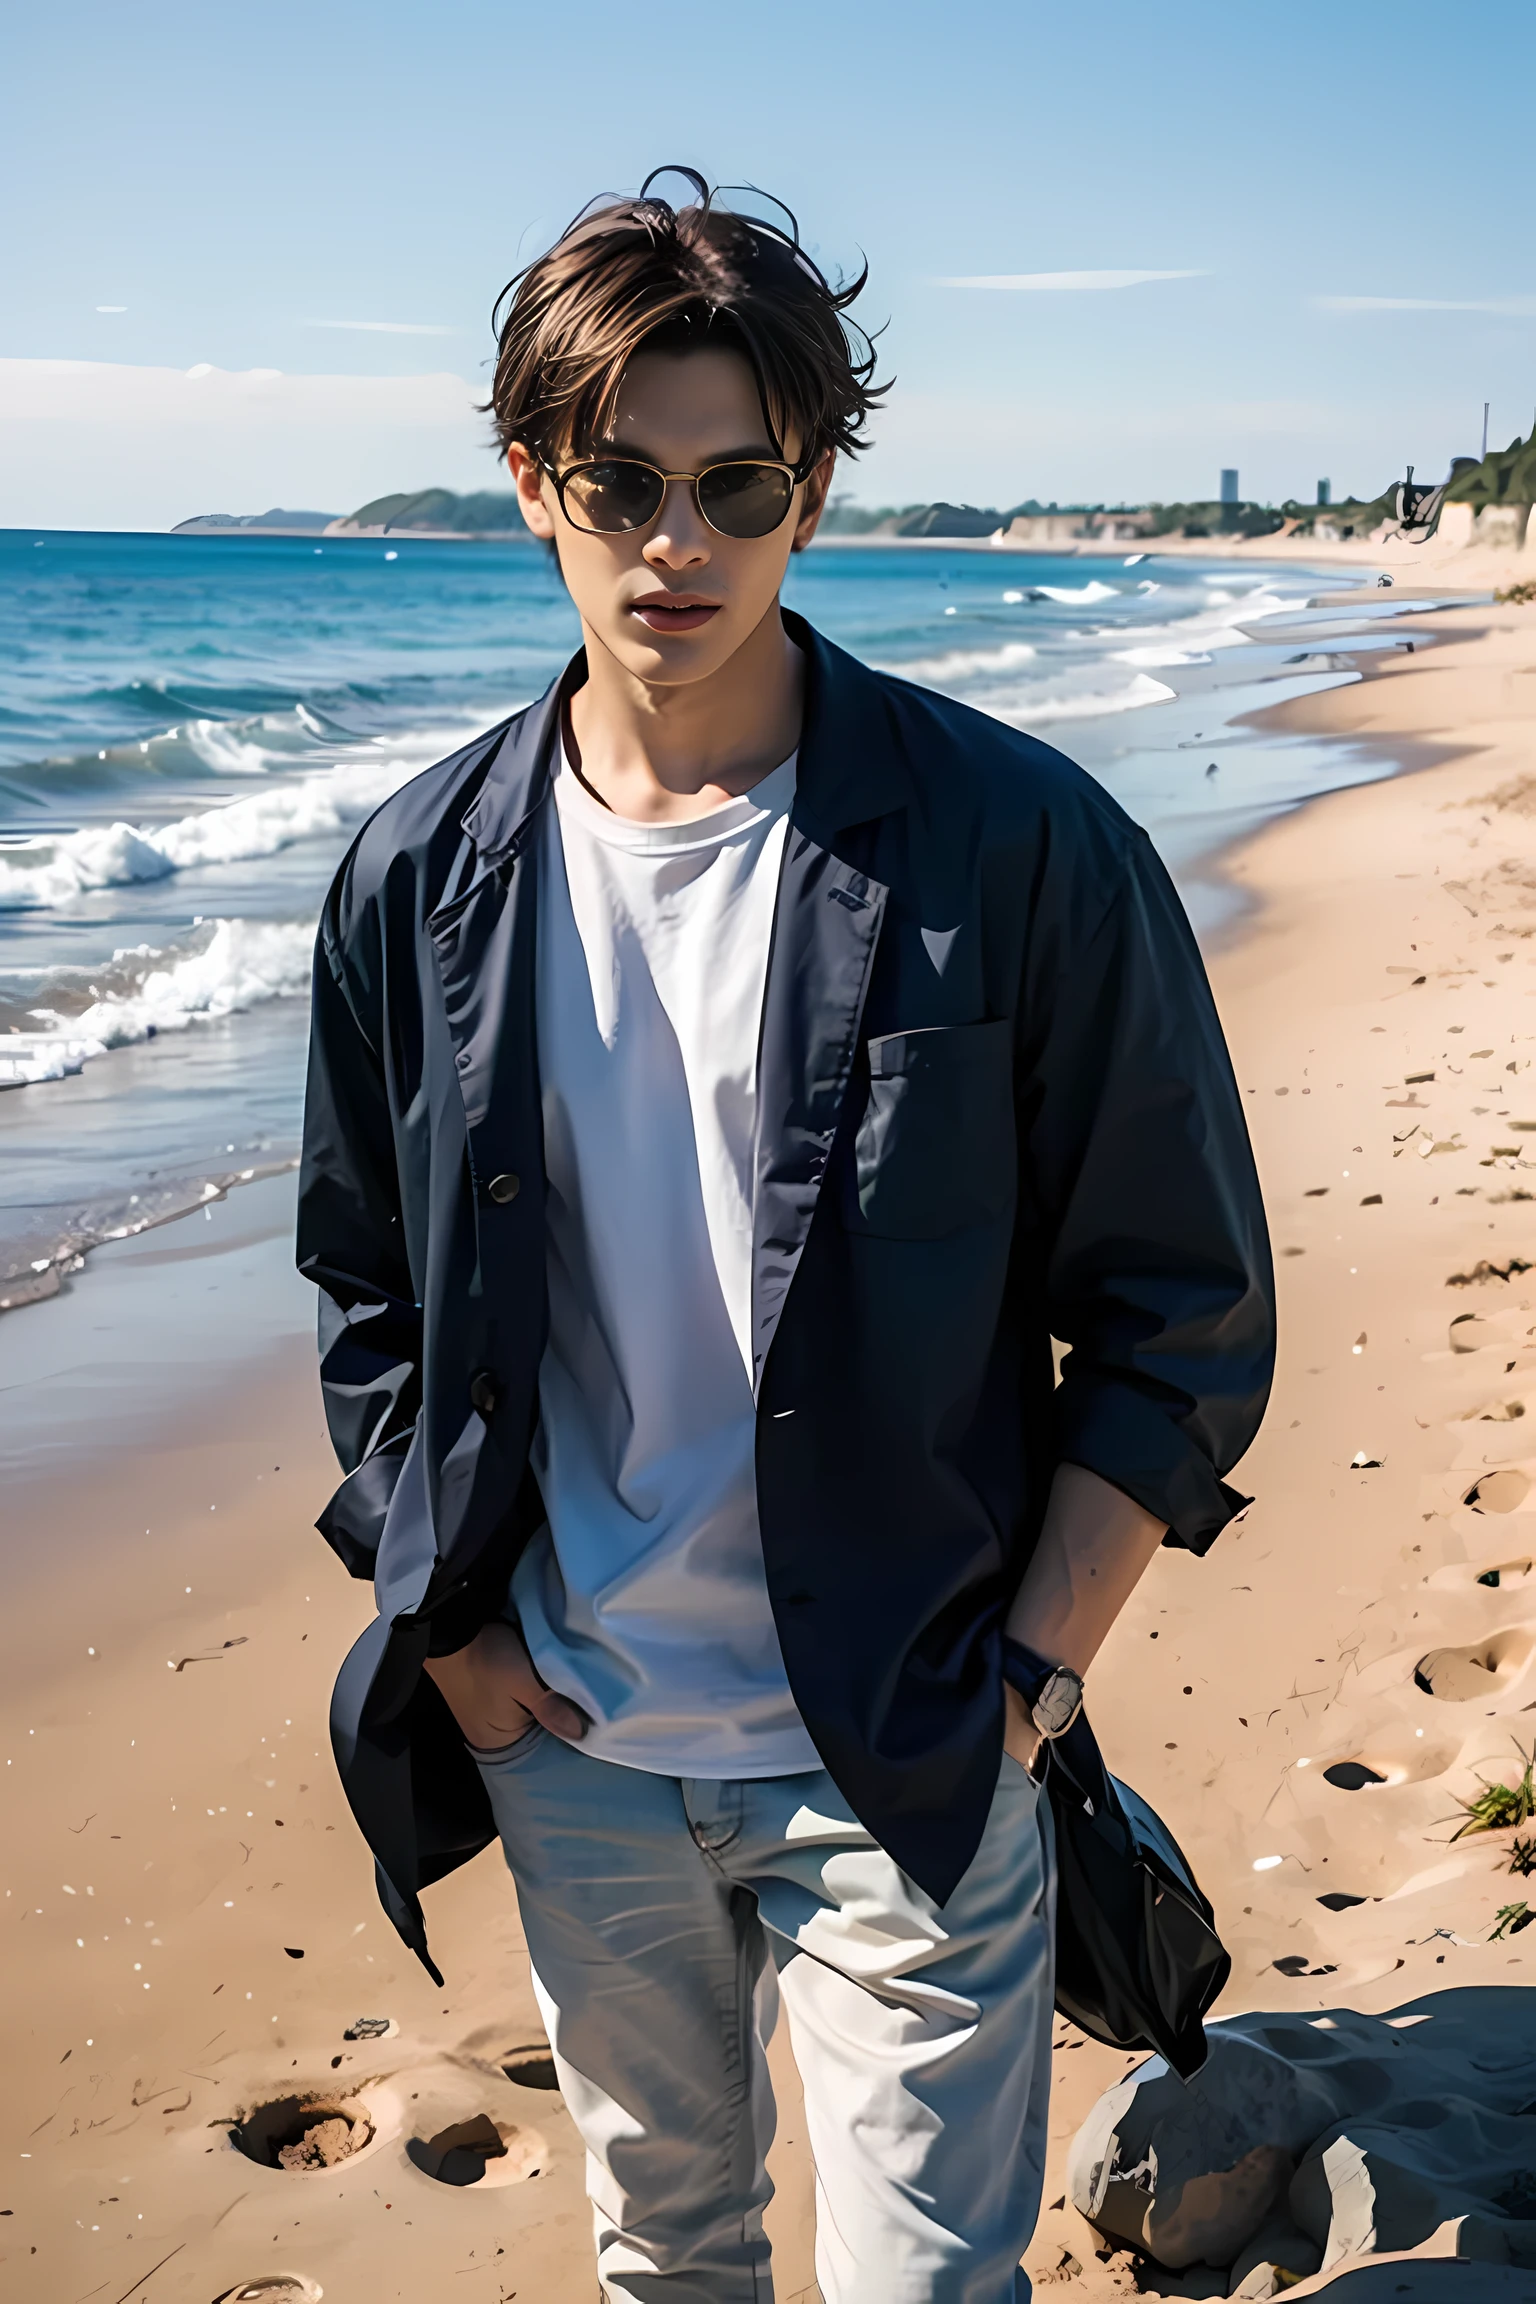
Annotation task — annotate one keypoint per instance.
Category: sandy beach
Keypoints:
(191, 1925)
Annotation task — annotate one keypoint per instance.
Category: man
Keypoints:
(727, 1077)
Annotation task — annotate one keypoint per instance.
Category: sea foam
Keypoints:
(227, 967)
(996, 681)
(51, 869)
(1077, 596)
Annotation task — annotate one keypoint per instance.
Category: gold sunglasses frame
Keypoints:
(796, 473)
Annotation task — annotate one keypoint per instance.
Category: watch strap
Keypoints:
(1025, 1668)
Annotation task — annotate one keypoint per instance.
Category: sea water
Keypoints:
(193, 729)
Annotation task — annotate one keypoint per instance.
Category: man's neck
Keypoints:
(661, 754)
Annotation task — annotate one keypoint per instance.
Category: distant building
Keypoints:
(1325, 491)
(1229, 493)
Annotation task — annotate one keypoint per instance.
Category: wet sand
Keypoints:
(191, 1918)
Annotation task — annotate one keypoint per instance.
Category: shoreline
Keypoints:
(48, 1246)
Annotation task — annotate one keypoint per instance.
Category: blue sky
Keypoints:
(242, 181)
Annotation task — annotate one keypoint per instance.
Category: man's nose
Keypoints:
(681, 535)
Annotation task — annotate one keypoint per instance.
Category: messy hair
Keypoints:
(633, 275)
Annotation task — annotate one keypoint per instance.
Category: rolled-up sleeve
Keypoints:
(1138, 1181)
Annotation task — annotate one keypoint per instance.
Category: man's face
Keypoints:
(675, 600)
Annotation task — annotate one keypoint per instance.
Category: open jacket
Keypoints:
(994, 1107)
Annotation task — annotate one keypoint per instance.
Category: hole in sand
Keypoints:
(1469, 1333)
(1502, 1491)
(530, 2067)
(1397, 1759)
(1505, 1574)
(273, 2288)
(479, 2151)
(302, 2134)
(1456, 1675)
(1340, 1900)
(1493, 1575)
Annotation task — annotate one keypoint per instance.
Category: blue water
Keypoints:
(191, 730)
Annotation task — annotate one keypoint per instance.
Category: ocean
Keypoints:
(192, 729)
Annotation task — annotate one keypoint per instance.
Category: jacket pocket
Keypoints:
(935, 1151)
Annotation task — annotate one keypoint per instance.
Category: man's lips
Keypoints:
(684, 614)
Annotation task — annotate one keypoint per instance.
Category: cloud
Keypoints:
(111, 307)
(387, 327)
(1055, 281)
(107, 444)
(1509, 307)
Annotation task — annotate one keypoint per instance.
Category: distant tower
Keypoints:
(1325, 492)
(1229, 493)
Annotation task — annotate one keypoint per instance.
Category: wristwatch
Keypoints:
(1053, 1692)
(1059, 1702)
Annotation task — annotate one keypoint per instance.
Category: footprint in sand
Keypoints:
(303, 2134)
(273, 2288)
(1505, 1490)
(479, 2151)
(529, 2067)
(1415, 1763)
(1487, 1668)
(1491, 1575)
(527, 2064)
(1504, 1574)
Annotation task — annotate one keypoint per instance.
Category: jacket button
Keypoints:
(503, 1188)
(484, 1391)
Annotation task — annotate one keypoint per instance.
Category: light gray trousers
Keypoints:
(665, 1918)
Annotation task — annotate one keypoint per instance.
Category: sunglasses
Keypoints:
(616, 495)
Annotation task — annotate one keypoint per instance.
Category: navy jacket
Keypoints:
(994, 1106)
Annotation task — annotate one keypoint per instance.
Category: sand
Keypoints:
(190, 1916)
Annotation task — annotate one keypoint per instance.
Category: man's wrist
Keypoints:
(1052, 1693)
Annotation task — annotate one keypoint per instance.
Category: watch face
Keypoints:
(1058, 1703)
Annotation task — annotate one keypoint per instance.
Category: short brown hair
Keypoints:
(628, 275)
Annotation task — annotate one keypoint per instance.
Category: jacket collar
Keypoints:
(499, 817)
(850, 768)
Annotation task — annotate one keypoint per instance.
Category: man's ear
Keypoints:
(528, 479)
(814, 502)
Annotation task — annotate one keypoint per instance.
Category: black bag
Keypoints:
(1138, 1959)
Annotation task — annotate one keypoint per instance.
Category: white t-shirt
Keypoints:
(645, 1600)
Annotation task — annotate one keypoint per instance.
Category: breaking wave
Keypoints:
(226, 966)
(1033, 711)
(966, 663)
(1078, 595)
(56, 868)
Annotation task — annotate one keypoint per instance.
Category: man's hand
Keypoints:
(493, 1690)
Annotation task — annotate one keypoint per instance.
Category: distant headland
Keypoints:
(1498, 490)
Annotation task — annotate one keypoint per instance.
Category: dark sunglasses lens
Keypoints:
(614, 496)
(745, 500)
